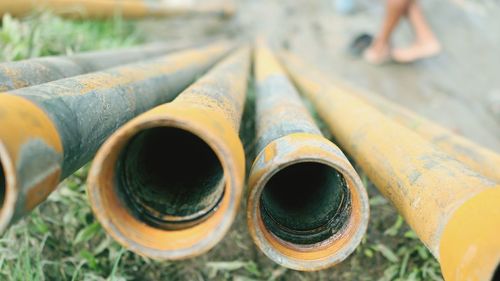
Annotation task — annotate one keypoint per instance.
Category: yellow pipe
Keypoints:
(453, 210)
(109, 8)
(307, 207)
(167, 185)
(478, 158)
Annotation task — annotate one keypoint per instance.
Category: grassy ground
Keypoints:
(61, 240)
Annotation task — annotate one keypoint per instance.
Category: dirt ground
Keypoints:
(459, 89)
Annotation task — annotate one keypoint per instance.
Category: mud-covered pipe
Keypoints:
(307, 207)
(30, 72)
(167, 185)
(454, 210)
(477, 157)
(131, 9)
(50, 130)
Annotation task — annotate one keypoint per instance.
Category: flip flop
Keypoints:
(359, 44)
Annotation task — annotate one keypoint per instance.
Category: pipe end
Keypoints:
(308, 177)
(30, 157)
(470, 244)
(168, 195)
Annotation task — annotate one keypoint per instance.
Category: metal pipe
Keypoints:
(30, 72)
(454, 210)
(101, 9)
(167, 185)
(478, 158)
(307, 207)
(50, 130)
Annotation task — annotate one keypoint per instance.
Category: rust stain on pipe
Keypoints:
(477, 157)
(100, 9)
(453, 210)
(50, 130)
(307, 208)
(167, 185)
(25, 73)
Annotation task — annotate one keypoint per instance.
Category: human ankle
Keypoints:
(429, 40)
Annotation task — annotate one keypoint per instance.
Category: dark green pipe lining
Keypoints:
(171, 171)
(305, 203)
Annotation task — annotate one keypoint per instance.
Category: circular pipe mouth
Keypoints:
(305, 203)
(169, 178)
(139, 222)
(307, 208)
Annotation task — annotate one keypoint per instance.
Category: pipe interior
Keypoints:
(496, 275)
(3, 184)
(305, 203)
(169, 177)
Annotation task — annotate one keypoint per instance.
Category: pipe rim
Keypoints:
(328, 252)
(469, 248)
(10, 188)
(213, 228)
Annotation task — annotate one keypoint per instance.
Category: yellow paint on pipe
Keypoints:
(210, 109)
(34, 129)
(439, 197)
(478, 158)
(470, 244)
(266, 65)
(111, 8)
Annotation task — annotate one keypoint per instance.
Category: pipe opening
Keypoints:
(3, 184)
(169, 177)
(305, 203)
(496, 275)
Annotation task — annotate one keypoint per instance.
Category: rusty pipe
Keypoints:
(307, 207)
(478, 158)
(30, 72)
(101, 9)
(167, 185)
(50, 130)
(454, 211)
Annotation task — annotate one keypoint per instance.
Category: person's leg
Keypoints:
(379, 51)
(426, 43)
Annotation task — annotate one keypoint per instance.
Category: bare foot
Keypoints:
(419, 50)
(377, 53)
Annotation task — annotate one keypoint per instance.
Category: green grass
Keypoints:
(44, 34)
(61, 240)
